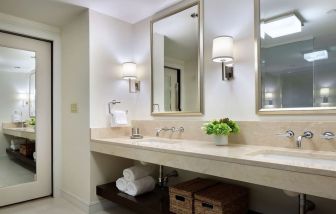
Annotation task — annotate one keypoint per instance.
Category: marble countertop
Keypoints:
(29, 130)
(28, 133)
(305, 161)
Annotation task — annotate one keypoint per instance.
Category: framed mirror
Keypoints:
(296, 56)
(177, 62)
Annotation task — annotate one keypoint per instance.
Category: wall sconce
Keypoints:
(129, 73)
(325, 92)
(269, 98)
(24, 98)
(222, 52)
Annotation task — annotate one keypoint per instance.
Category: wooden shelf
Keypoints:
(156, 202)
(27, 162)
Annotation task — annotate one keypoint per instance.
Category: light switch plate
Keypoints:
(74, 107)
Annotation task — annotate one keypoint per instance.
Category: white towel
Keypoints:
(141, 186)
(135, 172)
(121, 184)
(119, 118)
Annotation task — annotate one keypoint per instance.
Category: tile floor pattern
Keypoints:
(12, 173)
(53, 206)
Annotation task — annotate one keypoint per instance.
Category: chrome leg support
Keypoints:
(161, 179)
(305, 205)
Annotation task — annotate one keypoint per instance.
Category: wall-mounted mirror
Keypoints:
(177, 56)
(296, 56)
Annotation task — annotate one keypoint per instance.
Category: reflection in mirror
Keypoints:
(175, 62)
(297, 54)
(17, 116)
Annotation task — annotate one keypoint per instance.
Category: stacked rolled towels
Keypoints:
(136, 180)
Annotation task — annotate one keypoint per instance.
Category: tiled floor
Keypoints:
(53, 206)
(12, 173)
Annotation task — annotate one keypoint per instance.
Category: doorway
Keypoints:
(172, 89)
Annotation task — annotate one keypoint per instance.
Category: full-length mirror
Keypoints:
(17, 115)
(176, 42)
(296, 56)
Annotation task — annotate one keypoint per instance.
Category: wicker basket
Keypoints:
(27, 149)
(182, 195)
(222, 199)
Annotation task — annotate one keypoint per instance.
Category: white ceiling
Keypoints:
(131, 11)
(59, 12)
(15, 60)
(49, 12)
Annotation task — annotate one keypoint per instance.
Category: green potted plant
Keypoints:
(31, 122)
(221, 129)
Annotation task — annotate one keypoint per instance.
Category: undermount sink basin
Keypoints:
(297, 157)
(156, 140)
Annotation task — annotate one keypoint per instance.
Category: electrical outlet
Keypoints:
(74, 107)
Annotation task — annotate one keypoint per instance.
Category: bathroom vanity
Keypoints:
(304, 171)
(27, 133)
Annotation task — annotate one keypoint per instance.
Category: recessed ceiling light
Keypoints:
(316, 55)
(282, 26)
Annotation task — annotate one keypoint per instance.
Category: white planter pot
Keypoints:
(221, 140)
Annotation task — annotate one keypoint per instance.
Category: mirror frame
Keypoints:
(200, 60)
(258, 88)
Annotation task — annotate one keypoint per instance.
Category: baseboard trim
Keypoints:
(89, 208)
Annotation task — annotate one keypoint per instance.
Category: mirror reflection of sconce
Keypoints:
(24, 98)
(269, 98)
(129, 73)
(222, 52)
(325, 92)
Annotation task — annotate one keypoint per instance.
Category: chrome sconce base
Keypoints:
(227, 72)
(134, 85)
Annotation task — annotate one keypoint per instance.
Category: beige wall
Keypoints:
(76, 126)
(110, 46)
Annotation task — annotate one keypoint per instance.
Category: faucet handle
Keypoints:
(328, 136)
(308, 134)
(181, 129)
(288, 133)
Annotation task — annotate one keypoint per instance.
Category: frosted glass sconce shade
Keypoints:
(129, 70)
(268, 96)
(222, 49)
(130, 74)
(324, 92)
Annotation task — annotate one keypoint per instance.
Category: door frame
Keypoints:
(52, 102)
(178, 72)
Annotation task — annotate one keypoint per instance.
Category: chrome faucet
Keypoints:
(172, 129)
(307, 134)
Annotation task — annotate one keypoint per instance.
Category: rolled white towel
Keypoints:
(135, 172)
(121, 184)
(141, 186)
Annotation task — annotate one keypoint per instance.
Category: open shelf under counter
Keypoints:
(156, 202)
(27, 162)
